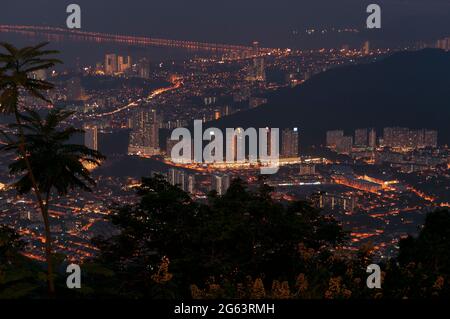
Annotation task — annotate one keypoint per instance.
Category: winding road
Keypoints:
(175, 85)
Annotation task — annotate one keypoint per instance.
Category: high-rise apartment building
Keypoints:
(430, 138)
(220, 183)
(182, 179)
(144, 138)
(333, 137)
(111, 64)
(289, 143)
(123, 63)
(116, 63)
(257, 69)
(361, 137)
(91, 137)
(372, 138)
(405, 138)
(344, 145)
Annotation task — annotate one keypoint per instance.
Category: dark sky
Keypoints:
(237, 21)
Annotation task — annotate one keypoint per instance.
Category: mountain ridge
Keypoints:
(409, 89)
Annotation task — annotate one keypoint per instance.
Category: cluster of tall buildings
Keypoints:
(443, 44)
(182, 179)
(339, 142)
(366, 137)
(258, 72)
(116, 63)
(144, 137)
(394, 137)
(405, 138)
(187, 181)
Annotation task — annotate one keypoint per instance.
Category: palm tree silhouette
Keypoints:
(17, 67)
(57, 166)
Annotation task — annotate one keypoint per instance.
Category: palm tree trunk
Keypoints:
(43, 207)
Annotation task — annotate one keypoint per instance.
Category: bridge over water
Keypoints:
(57, 34)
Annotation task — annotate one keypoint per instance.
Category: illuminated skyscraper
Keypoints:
(111, 64)
(182, 179)
(396, 137)
(372, 138)
(255, 48)
(405, 138)
(220, 183)
(289, 140)
(144, 139)
(361, 137)
(257, 70)
(344, 145)
(333, 137)
(430, 138)
(91, 137)
(123, 63)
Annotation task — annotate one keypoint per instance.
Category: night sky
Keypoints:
(238, 21)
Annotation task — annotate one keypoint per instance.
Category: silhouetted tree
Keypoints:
(19, 276)
(422, 269)
(57, 165)
(243, 233)
(17, 67)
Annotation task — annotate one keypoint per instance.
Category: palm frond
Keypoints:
(9, 47)
(16, 73)
(56, 164)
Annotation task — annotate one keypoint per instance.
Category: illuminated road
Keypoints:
(56, 34)
(176, 84)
